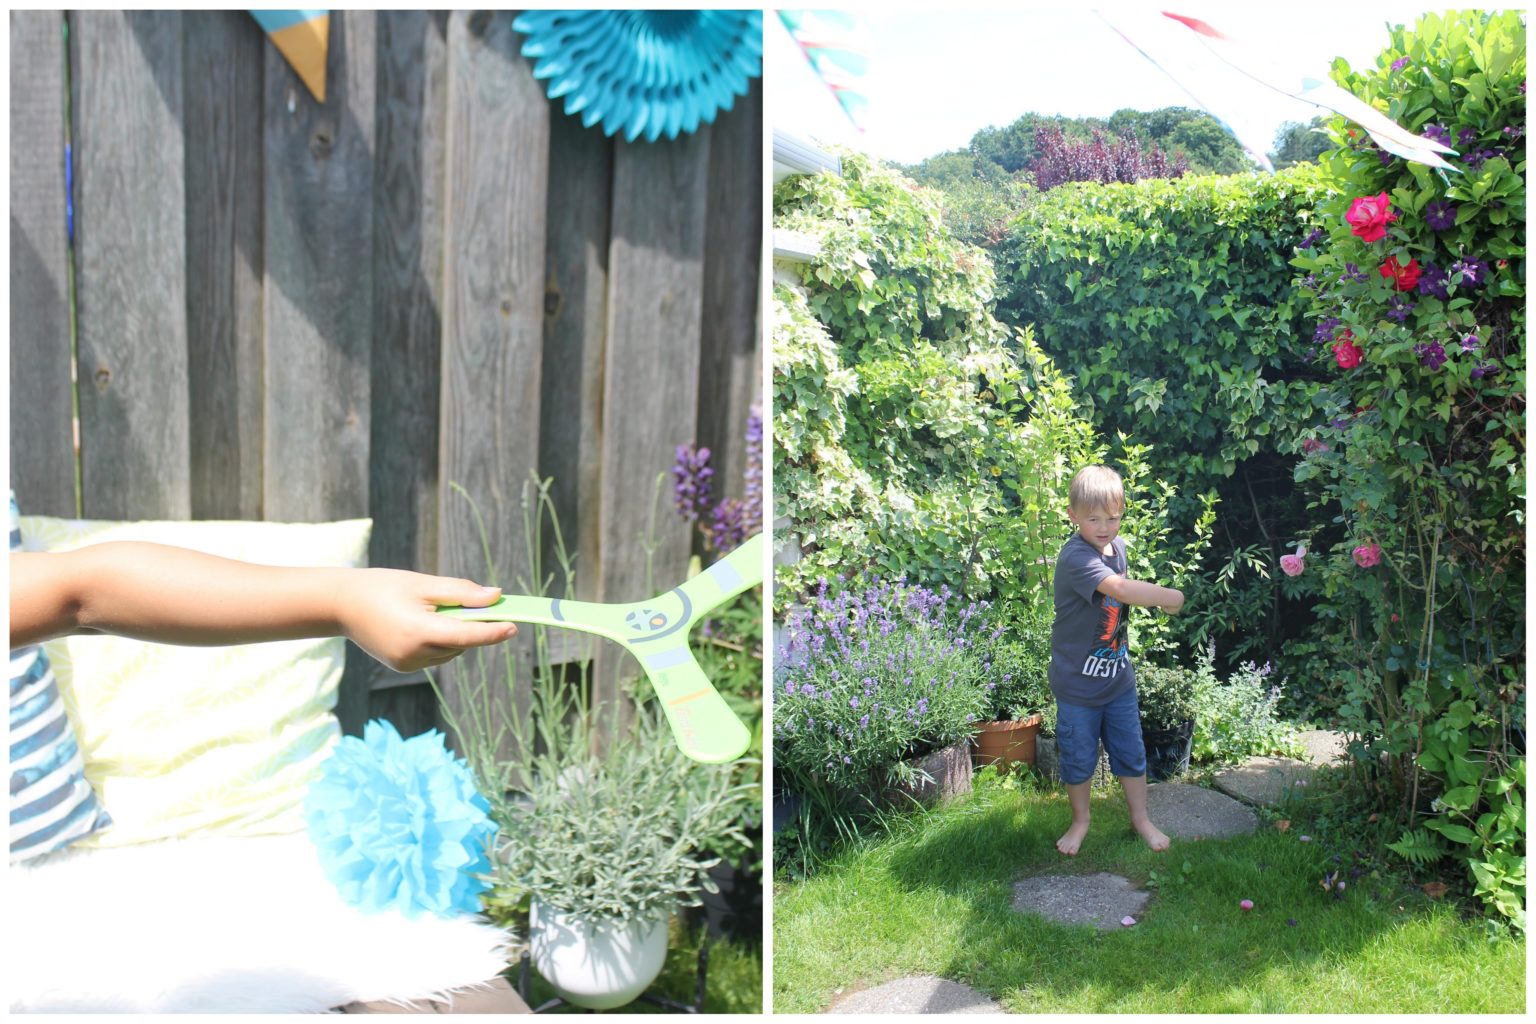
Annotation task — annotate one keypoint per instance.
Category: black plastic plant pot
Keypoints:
(736, 911)
(1168, 750)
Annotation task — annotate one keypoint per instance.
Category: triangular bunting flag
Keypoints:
(303, 38)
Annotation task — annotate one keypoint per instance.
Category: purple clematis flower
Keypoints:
(1438, 133)
(1432, 281)
(1440, 215)
(1431, 354)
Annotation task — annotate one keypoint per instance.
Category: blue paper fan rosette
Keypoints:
(399, 824)
(646, 73)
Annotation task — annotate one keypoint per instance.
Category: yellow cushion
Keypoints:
(182, 741)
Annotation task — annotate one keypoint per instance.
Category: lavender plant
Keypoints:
(732, 520)
(872, 676)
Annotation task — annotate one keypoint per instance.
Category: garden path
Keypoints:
(923, 994)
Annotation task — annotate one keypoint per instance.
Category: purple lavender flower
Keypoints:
(864, 722)
(1440, 215)
(1433, 281)
(1311, 239)
(690, 481)
(1437, 133)
(1431, 354)
(1400, 63)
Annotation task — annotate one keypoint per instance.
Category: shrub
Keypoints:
(1059, 160)
(1414, 455)
(1240, 718)
(913, 433)
(1016, 664)
(869, 677)
(1169, 696)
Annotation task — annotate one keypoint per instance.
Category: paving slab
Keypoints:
(1185, 811)
(1265, 781)
(923, 994)
(1100, 899)
(1324, 746)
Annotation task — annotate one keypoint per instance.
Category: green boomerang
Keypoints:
(656, 632)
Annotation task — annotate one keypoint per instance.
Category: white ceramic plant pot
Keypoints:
(598, 966)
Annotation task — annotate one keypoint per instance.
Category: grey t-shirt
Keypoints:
(1090, 659)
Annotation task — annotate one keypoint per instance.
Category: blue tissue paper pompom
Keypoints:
(399, 824)
(645, 73)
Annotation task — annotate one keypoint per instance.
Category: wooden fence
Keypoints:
(301, 312)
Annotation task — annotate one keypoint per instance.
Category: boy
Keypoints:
(1090, 672)
(175, 596)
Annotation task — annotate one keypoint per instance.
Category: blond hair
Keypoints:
(1096, 487)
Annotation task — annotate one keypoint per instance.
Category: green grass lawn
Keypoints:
(934, 897)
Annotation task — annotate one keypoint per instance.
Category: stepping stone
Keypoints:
(925, 994)
(1100, 900)
(1265, 781)
(1184, 811)
(1324, 746)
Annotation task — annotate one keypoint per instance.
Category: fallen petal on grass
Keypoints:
(1246, 904)
(1127, 920)
(1305, 839)
(1291, 921)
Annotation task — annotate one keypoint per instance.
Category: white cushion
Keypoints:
(182, 741)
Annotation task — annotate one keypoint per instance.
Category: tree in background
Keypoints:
(1297, 143)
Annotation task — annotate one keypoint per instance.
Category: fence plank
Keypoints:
(131, 294)
(407, 302)
(319, 286)
(575, 325)
(42, 433)
(493, 299)
(223, 65)
(730, 367)
(650, 386)
(407, 297)
(319, 298)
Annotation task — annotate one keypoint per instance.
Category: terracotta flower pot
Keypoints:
(1006, 743)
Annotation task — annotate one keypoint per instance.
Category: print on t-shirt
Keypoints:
(1109, 658)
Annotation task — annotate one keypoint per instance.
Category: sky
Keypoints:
(936, 78)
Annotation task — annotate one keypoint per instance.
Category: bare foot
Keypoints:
(1073, 838)
(1151, 834)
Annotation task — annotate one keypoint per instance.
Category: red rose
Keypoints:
(1346, 352)
(1369, 216)
(1406, 278)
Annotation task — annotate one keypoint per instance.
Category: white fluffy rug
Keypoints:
(207, 925)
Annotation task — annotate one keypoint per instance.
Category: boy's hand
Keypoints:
(392, 614)
(1174, 607)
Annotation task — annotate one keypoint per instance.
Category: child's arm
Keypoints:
(1146, 595)
(172, 595)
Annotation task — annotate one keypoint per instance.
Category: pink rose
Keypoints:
(1367, 555)
(1292, 565)
(1369, 216)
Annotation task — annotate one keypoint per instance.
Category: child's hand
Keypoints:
(1174, 607)
(392, 614)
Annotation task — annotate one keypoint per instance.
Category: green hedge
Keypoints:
(1173, 303)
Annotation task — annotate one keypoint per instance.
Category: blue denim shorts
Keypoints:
(1079, 730)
